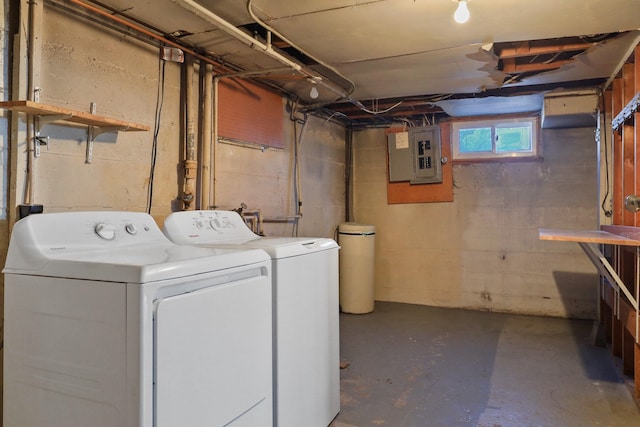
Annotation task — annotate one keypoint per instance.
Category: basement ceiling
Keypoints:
(382, 61)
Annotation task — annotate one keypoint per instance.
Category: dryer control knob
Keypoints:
(131, 229)
(106, 231)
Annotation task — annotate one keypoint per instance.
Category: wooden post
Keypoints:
(637, 372)
(616, 339)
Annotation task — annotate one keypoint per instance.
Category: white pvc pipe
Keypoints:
(253, 43)
(205, 175)
(239, 35)
(214, 145)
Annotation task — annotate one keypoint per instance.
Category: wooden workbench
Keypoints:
(619, 314)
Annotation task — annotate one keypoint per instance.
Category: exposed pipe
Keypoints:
(35, 14)
(205, 158)
(253, 43)
(190, 162)
(298, 177)
(239, 35)
(214, 144)
(289, 42)
(249, 74)
(148, 33)
(347, 173)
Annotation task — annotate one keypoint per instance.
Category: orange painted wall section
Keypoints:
(249, 113)
(404, 192)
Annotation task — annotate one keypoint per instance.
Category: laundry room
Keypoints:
(305, 117)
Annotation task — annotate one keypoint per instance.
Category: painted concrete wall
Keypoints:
(265, 180)
(482, 250)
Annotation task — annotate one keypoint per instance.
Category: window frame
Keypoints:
(495, 122)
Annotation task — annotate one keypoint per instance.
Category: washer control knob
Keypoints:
(105, 231)
(215, 224)
(131, 229)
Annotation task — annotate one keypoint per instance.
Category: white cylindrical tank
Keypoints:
(357, 252)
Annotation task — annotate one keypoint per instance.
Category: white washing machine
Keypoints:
(305, 311)
(109, 324)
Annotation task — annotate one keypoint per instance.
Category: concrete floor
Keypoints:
(416, 366)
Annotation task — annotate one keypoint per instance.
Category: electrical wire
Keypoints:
(375, 111)
(156, 130)
(297, 186)
(607, 212)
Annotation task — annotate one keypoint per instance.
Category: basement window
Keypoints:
(503, 138)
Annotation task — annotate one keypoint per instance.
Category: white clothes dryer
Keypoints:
(109, 324)
(305, 311)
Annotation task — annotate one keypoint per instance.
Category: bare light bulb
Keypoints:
(462, 12)
(314, 92)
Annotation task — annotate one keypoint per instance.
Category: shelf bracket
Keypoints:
(93, 133)
(42, 120)
(91, 136)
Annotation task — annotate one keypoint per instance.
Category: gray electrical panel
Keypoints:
(415, 156)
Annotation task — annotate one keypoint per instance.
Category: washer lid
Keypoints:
(110, 246)
(215, 228)
(284, 247)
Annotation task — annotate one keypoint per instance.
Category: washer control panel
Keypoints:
(212, 226)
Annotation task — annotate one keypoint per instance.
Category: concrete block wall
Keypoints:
(482, 250)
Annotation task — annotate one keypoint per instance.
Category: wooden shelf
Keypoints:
(589, 236)
(62, 114)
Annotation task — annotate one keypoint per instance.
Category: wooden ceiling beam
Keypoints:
(510, 66)
(525, 50)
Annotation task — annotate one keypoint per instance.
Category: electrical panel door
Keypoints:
(400, 157)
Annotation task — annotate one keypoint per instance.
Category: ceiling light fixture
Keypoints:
(462, 12)
(313, 93)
